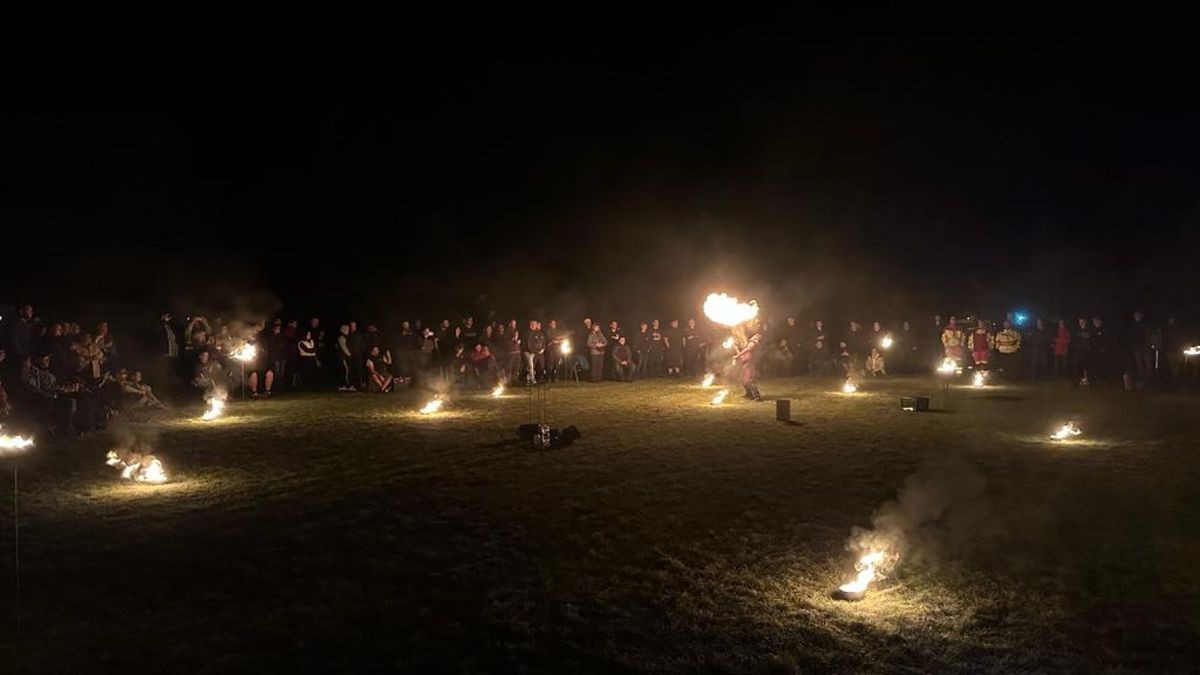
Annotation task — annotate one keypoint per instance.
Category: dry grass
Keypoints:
(348, 532)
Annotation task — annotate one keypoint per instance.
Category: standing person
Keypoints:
(746, 357)
(953, 341)
(277, 351)
(673, 346)
(657, 349)
(1040, 346)
(345, 357)
(1008, 345)
(856, 342)
(1081, 351)
(1138, 339)
(306, 350)
(791, 334)
(875, 337)
(690, 337)
(20, 336)
(907, 348)
(535, 352)
(554, 354)
(614, 335)
(642, 350)
(1100, 367)
(515, 353)
(597, 349)
(818, 349)
(981, 342)
(1062, 346)
(358, 350)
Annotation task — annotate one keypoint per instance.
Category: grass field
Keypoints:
(347, 533)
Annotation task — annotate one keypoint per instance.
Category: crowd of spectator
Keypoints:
(73, 380)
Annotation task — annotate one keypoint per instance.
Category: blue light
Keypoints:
(1021, 318)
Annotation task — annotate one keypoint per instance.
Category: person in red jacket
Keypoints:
(1062, 346)
(980, 342)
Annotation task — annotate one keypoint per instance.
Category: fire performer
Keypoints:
(747, 358)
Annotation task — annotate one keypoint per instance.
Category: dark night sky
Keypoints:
(360, 162)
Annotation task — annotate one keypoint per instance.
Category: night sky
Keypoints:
(357, 163)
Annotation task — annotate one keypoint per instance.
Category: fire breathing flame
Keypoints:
(245, 353)
(11, 446)
(216, 406)
(849, 387)
(980, 378)
(886, 342)
(1192, 351)
(137, 467)
(433, 405)
(728, 343)
(720, 397)
(948, 366)
(1066, 431)
(727, 311)
(566, 346)
(708, 380)
(498, 391)
(866, 568)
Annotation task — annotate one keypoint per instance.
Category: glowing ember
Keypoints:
(1192, 351)
(728, 343)
(137, 467)
(1066, 431)
(216, 406)
(867, 572)
(566, 346)
(433, 406)
(708, 380)
(849, 387)
(727, 311)
(980, 378)
(498, 391)
(245, 353)
(886, 342)
(720, 397)
(948, 367)
(11, 446)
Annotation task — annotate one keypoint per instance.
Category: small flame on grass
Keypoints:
(849, 387)
(1066, 431)
(867, 573)
(138, 467)
(708, 380)
(948, 367)
(720, 397)
(433, 405)
(980, 378)
(216, 406)
(498, 391)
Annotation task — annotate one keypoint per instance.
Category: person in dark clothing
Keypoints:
(623, 355)
(818, 349)
(657, 350)
(858, 346)
(1081, 351)
(277, 351)
(690, 337)
(20, 336)
(1040, 344)
(358, 351)
(641, 349)
(1138, 335)
(308, 361)
(555, 359)
(1099, 367)
(534, 353)
(673, 349)
(470, 332)
(614, 334)
(907, 348)
(597, 351)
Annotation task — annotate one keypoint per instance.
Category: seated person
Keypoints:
(379, 367)
(482, 366)
(875, 364)
(140, 393)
